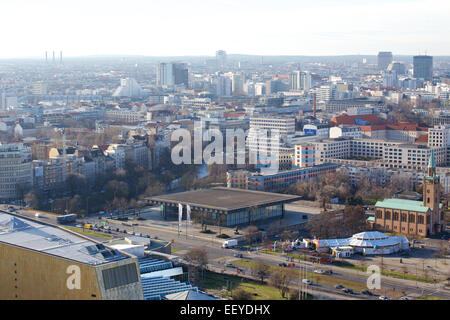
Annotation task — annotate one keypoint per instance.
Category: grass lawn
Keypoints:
(216, 282)
(425, 297)
(388, 273)
(173, 249)
(89, 233)
(314, 277)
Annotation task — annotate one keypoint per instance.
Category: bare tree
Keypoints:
(260, 270)
(32, 200)
(197, 257)
(250, 233)
(280, 281)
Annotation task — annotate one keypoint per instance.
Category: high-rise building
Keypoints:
(223, 86)
(300, 80)
(15, 170)
(423, 67)
(181, 74)
(237, 82)
(221, 59)
(398, 67)
(305, 80)
(170, 74)
(294, 80)
(258, 141)
(384, 59)
(390, 79)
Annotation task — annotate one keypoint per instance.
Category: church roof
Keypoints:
(402, 204)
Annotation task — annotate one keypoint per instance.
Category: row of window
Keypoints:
(411, 218)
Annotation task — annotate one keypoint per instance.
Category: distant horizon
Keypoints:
(57, 56)
(164, 28)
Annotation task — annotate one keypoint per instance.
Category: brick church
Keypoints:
(418, 218)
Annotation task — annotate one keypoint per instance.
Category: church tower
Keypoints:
(432, 194)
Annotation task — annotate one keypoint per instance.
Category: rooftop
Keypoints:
(54, 241)
(226, 199)
(402, 204)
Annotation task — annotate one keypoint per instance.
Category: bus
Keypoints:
(66, 218)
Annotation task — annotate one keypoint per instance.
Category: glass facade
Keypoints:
(244, 216)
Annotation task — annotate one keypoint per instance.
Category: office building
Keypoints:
(223, 86)
(300, 80)
(221, 59)
(172, 74)
(15, 170)
(423, 67)
(398, 67)
(304, 155)
(237, 83)
(384, 59)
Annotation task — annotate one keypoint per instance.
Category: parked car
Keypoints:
(306, 281)
(238, 255)
(339, 286)
(404, 298)
(367, 292)
(230, 265)
(383, 298)
(347, 290)
(282, 264)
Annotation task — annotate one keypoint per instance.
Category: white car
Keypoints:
(319, 271)
(306, 281)
(37, 215)
(383, 298)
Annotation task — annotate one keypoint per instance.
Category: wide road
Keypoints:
(219, 256)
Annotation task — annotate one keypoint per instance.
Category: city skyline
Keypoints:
(199, 28)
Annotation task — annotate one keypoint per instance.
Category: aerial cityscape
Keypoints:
(226, 174)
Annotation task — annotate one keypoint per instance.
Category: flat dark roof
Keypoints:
(225, 199)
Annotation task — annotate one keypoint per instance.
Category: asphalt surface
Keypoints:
(216, 252)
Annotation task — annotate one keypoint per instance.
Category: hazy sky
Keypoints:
(200, 27)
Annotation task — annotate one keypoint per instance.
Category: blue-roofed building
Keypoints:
(368, 243)
(161, 277)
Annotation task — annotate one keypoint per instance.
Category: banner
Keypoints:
(188, 215)
(180, 214)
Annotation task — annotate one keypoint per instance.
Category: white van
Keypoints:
(229, 243)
